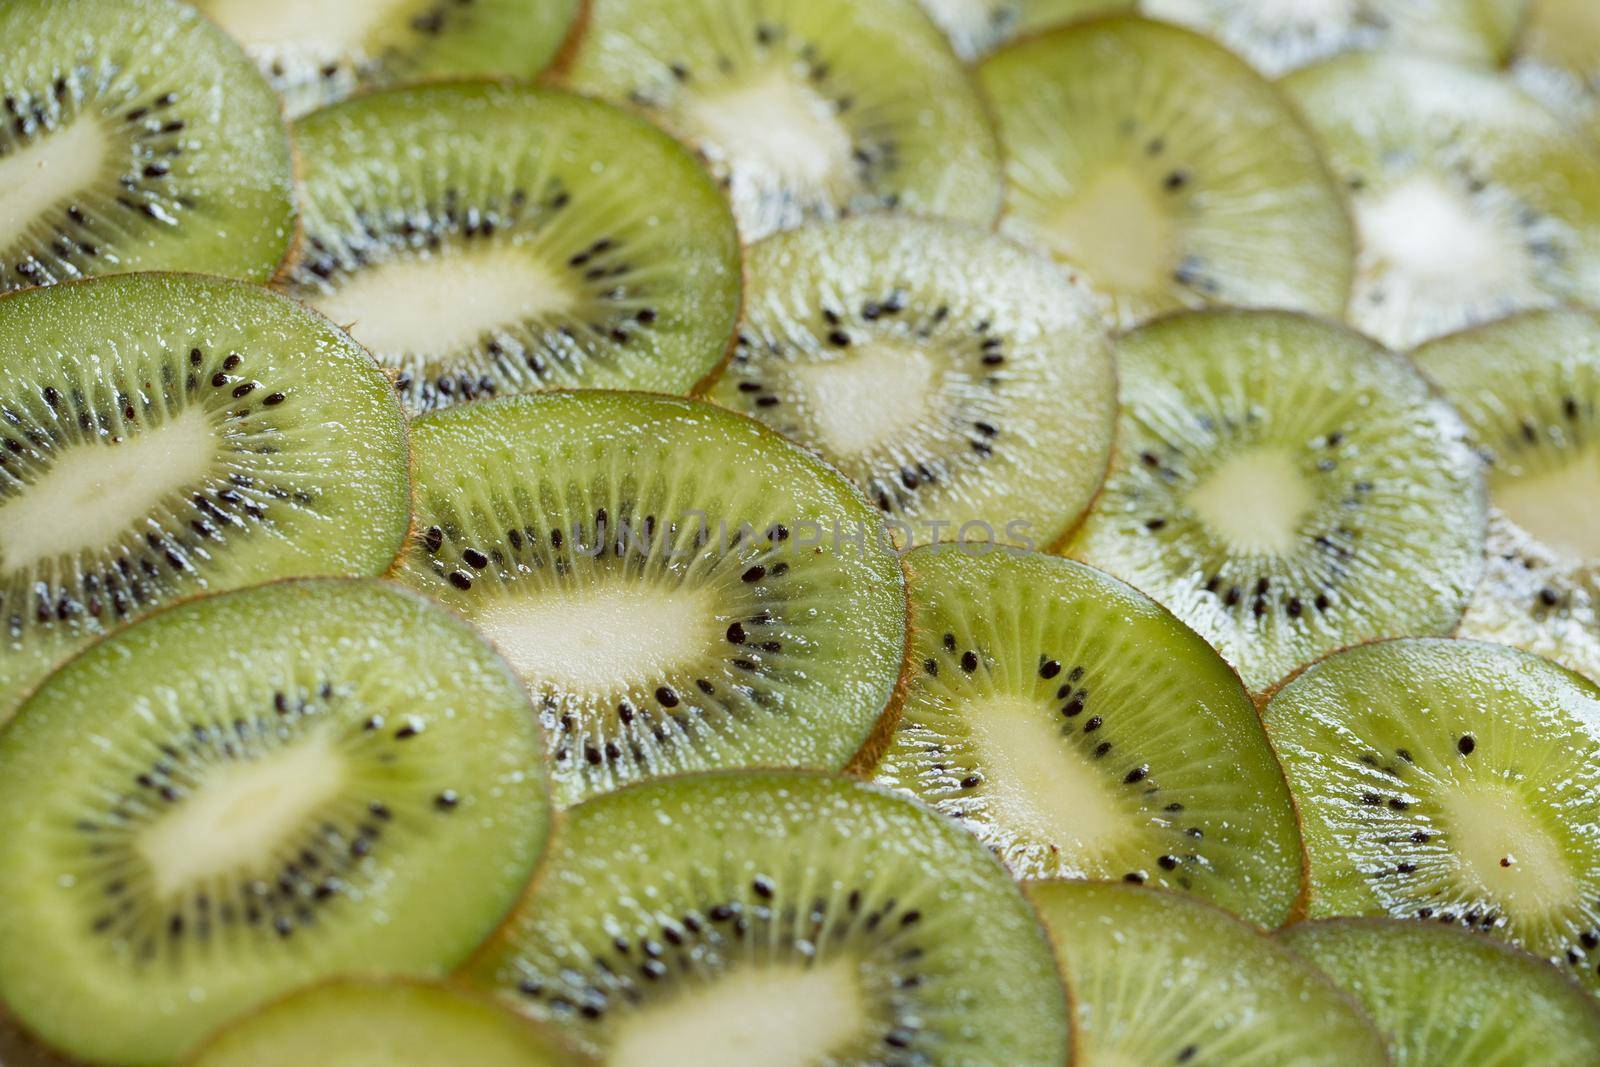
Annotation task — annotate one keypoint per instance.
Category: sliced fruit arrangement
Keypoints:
(962, 383)
(1166, 170)
(168, 435)
(316, 53)
(1446, 997)
(978, 27)
(1286, 487)
(250, 792)
(1529, 389)
(712, 919)
(460, 233)
(1157, 978)
(1079, 730)
(680, 588)
(1450, 781)
(1278, 37)
(135, 135)
(801, 108)
(1471, 200)
(1558, 59)
(392, 1023)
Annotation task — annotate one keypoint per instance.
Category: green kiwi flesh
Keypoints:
(1279, 37)
(316, 52)
(1159, 979)
(1446, 997)
(777, 920)
(680, 588)
(1528, 388)
(1558, 59)
(250, 792)
(1166, 170)
(392, 1023)
(1081, 731)
(1471, 200)
(978, 27)
(162, 148)
(961, 382)
(1450, 781)
(168, 435)
(1287, 488)
(801, 108)
(483, 239)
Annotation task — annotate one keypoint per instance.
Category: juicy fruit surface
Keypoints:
(316, 53)
(167, 435)
(788, 104)
(1165, 170)
(1471, 201)
(680, 588)
(962, 384)
(1558, 59)
(1528, 388)
(482, 239)
(778, 920)
(135, 136)
(1446, 997)
(1281, 35)
(1286, 488)
(978, 27)
(1081, 731)
(1451, 781)
(1157, 979)
(387, 1024)
(250, 792)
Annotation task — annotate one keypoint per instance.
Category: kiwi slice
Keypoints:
(961, 382)
(483, 239)
(801, 108)
(978, 27)
(1471, 200)
(1081, 731)
(316, 52)
(781, 919)
(135, 135)
(1529, 389)
(168, 435)
(1558, 60)
(1166, 170)
(388, 1023)
(1160, 979)
(1287, 488)
(1446, 997)
(680, 588)
(1279, 37)
(1451, 781)
(250, 792)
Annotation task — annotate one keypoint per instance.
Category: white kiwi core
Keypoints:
(1559, 506)
(1042, 789)
(444, 301)
(47, 172)
(775, 125)
(94, 493)
(1504, 850)
(1254, 501)
(847, 401)
(339, 27)
(592, 638)
(240, 814)
(1118, 232)
(788, 1015)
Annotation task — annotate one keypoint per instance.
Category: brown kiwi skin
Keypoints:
(405, 440)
